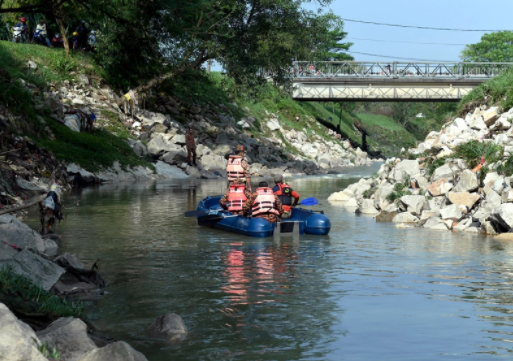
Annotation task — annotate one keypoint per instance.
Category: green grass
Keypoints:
(380, 120)
(499, 91)
(47, 303)
(90, 151)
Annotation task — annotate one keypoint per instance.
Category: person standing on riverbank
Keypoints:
(238, 167)
(285, 194)
(191, 147)
(264, 204)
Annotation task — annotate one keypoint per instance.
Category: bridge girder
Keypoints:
(413, 91)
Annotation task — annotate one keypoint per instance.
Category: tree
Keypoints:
(493, 47)
(332, 47)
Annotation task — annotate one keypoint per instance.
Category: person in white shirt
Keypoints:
(42, 26)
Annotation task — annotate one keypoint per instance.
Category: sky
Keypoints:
(454, 14)
(460, 14)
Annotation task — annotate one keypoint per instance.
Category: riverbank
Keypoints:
(458, 179)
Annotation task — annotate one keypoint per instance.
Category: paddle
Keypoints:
(309, 202)
(199, 213)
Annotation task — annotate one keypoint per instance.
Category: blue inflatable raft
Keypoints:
(210, 214)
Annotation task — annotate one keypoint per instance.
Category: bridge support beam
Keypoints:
(361, 91)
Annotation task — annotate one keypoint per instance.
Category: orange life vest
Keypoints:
(264, 202)
(284, 194)
(236, 197)
(234, 168)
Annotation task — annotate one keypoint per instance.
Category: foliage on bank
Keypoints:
(27, 298)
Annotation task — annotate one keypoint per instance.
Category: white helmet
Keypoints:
(93, 32)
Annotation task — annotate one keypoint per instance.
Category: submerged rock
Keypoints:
(170, 327)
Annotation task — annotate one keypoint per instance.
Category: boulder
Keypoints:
(178, 139)
(502, 217)
(451, 212)
(405, 217)
(117, 351)
(413, 204)
(432, 221)
(25, 263)
(490, 116)
(380, 197)
(17, 340)
(339, 197)
(83, 79)
(386, 216)
(463, 225)
(439, 187)
(487, 227)
(170, 327)
(352, 202)
(273, 124)
(19, 234)
(468, 182)
(405, 168)
(478, 124)
(140, 149)
(159, 144)
(71, 259)
(463, 198)
(493, 200)
(367, 207)
(444, 171)
(69, 337)
(175, 156)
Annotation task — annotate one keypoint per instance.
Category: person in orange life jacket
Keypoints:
(285, 194)
(263, 203)
(238, 168)
(235, 197)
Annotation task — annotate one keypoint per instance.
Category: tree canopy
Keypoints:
(493, 47)
(140, 39)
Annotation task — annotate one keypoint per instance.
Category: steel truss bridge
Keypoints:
(389, 81)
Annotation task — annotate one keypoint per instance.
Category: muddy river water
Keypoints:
(368, 291)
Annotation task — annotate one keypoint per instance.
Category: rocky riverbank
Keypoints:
(458, 179)
(155, 130)
(40, 318)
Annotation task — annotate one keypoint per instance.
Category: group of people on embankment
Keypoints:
(272, 204)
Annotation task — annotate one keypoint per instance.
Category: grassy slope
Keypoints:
(91, 151)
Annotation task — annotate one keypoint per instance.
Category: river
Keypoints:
(368, 291)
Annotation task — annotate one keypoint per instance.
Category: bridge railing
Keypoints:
(397, 70)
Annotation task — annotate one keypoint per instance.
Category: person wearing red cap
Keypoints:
(23, 25)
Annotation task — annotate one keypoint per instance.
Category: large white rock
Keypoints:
(367, 207)
(68, 336)
(19, 234)
(452, 212)
(444, 171)
(380, 197)
(478, 124)
(468, 182)
(490, 116)
(405, 217)
(339, 197)
(463, 198)
(502, 217)
(17, 339)
(439, 187)
(413, 204)
(352, 202)
(405, 168)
